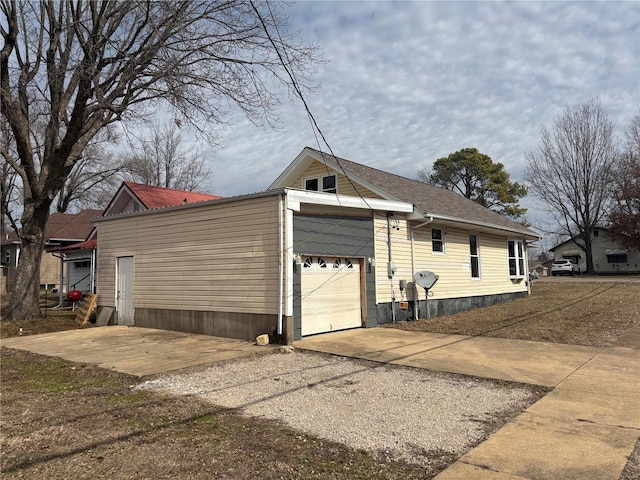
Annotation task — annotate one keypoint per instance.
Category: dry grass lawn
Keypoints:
(570, 312)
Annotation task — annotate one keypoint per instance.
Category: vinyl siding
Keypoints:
(318, 169)
(214, 257)
(600, 245)
(453, 266)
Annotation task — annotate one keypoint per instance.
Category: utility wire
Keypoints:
(314, 124)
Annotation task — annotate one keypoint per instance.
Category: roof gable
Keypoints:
(136, 196)
(431, 201)
(158, 197)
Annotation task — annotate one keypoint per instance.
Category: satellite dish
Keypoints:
(426, 279)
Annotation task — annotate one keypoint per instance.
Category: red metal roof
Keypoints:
(86, 245)
(158, 197)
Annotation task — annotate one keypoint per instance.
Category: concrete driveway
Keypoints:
(133, 350)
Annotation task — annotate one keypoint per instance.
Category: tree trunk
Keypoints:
(588, 251)
(24, 303)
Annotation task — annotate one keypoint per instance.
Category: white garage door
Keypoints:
(330, 294)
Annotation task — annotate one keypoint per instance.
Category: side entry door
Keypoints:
(124, 291)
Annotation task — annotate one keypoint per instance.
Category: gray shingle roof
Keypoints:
(432, 201)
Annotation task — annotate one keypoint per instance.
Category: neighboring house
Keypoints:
(62, 229)
(609, 256)
(130, 197)
(331, 245)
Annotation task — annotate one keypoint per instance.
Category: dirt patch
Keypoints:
(570, 312)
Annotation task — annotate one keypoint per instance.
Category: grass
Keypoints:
(575, 313)
(52, 319)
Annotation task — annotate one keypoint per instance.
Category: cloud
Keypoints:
(409, 82)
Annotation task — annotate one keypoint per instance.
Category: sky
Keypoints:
(406, 83)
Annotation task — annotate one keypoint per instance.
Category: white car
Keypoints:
(562, 266)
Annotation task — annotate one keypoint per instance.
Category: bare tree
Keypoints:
(72, 67)
(164, 161)
(570, 171)
(424, 175)
(95, 177)
(625, 215)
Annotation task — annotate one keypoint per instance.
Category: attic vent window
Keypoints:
(326, 184)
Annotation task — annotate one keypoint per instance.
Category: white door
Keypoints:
(124, 291)
(330, 294)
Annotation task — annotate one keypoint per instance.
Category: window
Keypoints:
(328, 184)
(516, 258)
(474, 251)
(617, 258)
(437, 241)
(81, 264)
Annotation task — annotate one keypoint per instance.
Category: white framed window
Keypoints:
(437, 240)
(516, 258)
(474, 252)
(327, 184)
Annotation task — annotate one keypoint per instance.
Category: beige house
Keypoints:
(331, 245)
(609, 255)
(62, 229)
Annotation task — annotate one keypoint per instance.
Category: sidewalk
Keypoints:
(585, 428)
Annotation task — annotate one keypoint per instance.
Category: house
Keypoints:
(332, 244)
(130, 197)
(62, 229)
(609, 256)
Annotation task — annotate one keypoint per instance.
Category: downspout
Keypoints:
(93, 271)
(416, 298)
(280, 261)
(390, 268)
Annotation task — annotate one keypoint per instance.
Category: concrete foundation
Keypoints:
(243, 326)
(443, 306)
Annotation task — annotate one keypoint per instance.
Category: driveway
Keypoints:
(133, 350)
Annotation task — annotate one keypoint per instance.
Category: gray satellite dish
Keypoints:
(426, 279)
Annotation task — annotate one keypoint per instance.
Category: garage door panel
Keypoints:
(330, 294)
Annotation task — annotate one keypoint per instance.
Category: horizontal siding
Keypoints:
(318, 169)
(214, 257)
(453, 267)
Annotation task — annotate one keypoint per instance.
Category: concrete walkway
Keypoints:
(585, 428)
(133, 350)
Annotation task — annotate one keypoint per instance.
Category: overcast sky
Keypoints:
(409, 82)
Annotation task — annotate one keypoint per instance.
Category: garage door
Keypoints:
(330, 294)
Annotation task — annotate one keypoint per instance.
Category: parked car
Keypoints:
(562, 266)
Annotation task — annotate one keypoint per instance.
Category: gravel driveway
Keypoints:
(394, 412)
